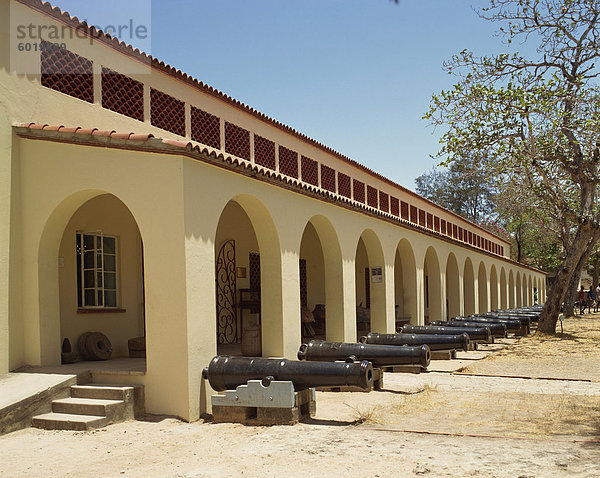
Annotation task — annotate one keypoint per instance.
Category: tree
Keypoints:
(535, 117)
(463, 188)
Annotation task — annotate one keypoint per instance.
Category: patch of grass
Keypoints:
(364, 415)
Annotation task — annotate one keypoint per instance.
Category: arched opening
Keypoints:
(238, 283)
(511, 290)
(519, 291)
(482, 288)
(321, 297)
(101, 278)
(405, 284)
(525, 302)
(248, 271)
(503, 290)
(452, 287)
(432, 289)
(493, 288)
(370, 284)
(530, 292)
(469, 288)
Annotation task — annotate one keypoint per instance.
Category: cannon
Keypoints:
(512, 325)
(226, 372)
(498, 330)
(525, 320)
(476, 334)
(378, 355)
(434, 342)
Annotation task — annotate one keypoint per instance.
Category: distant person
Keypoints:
(591, 299)
(581, 300)
(597, 298)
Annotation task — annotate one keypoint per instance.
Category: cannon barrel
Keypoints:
(378, 355)
(498, 330)
(226, 372)
(434, 342)
(525, 320)
(476, 334)
(512, 325)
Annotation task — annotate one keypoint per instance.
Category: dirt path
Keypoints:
(436, 424)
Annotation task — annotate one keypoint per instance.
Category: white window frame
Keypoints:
(98, 271)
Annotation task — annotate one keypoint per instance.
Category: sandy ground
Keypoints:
(530, 409)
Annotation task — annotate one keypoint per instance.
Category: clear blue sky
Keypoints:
(356, 75)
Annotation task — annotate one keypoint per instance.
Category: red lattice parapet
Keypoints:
(264, 152)
(358, 189)
(344, 188)
(167, 112)
(310, 170)
(384, 204)
(501, 250)
(454, 231)
(414, 214)
(327, 178)
(67, 72)
(436, 224)
(422, 218)
(404, 214)
(449, 229)
(288, 162)
(477, 241)
(122, 94)
(443, 226)
(460, 233)
(237, 141)
(205, 128)
(394, 206)
(371, 196)
(429, 221)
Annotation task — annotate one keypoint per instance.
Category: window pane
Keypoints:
(99, 297)
(110, 280)
(88, 242)
(89, 297)
(110, 298)
(110, 263)
(99, 261)
(109, 245)
(88, 279)
(99, 278)
(88, 260)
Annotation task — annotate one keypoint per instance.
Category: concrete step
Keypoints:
(87, 406)
(65, 421)
(106, 392)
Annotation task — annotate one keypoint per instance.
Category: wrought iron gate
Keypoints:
(227, 323)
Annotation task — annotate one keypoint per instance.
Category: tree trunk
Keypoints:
(549, 315)
(571, 294)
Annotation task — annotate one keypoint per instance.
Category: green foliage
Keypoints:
(463, 188)
(536, 119)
